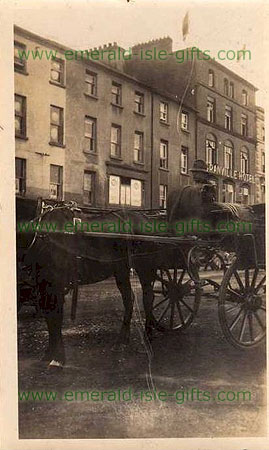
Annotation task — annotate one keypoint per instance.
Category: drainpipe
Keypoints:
(152, 150)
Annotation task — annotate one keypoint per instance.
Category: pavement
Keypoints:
(198, 359)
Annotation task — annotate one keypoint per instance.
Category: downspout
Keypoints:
(151, 155)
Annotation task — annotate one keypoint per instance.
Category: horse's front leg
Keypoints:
(146, 278)
(52, 309)
(122, 277)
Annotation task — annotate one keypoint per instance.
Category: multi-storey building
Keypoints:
(93, 133)
(225, 122)
(260, 157)
(126, 132)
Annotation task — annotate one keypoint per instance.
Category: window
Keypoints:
(163, 112)
(20, 116)
(244, 161)
(19, 58)
(56, 182)
(231, 90)
(91, 83)
(211, 150)
(245, 98)
(184, 159)
(164, 154)
(228, 118)
(116, 94)
(138, 146)
(185, 121)
(228, 157)
(263, 162)
(56, 125)
(263, 134)
(57, 71)
(210, 109)
(125, 191)
(226, 87)
(115, 146)
(210, 78)
(244, 191)
(139, 103)
(88, 187)
(163, 196)
(228, 193)
(90, 134)
(244, 125)
(20, 176)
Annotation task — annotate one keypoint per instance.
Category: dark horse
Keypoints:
(56, 260)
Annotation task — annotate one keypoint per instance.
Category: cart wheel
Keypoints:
(242, 313)
(176, 298)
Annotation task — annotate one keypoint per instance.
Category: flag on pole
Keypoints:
(240, 53)
(185, 26)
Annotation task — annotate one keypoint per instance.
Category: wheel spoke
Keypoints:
(160, 302)
(259, 285)
(256, 271)
(250, 322)
(238, 279)
(259, 321)
(235, 321)
(163, 313)
(186, 305)
(231, 291)
(181, 276)
(172, 314)
(247, 278)
(243, 326)
(232, 308)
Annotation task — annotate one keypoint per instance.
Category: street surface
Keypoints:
(200, 358)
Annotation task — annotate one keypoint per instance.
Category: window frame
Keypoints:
(229, 148)
(244, 97)
(93, 186)
(60, 126)
(117, 144)
(244, 126)
(164, 113)
(21, 178)
(141, 149)
(138, 104)
(185, 124)
(61, 72)
(59, 184)
(20, 64)
(211, 78)
(164, 160)
(92, 85)
(228, 118)
(212, 151)
(92, 148)
(119, 94)
(186, 149)
(163, 195)
(22, 116)
(244, 166)
(211, 102)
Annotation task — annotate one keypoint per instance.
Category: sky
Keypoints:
(214, 26)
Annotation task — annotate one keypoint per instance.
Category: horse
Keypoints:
(59, 260)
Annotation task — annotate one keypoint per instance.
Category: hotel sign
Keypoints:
(223, 171)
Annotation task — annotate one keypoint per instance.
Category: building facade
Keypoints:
(225, 121)
(260, 157)
(90, 132)
(126, 132)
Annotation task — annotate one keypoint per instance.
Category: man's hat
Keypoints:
(199, 166)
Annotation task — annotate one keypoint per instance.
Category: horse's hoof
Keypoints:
(55, 365)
